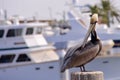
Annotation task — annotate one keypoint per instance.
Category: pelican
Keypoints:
(79, 55)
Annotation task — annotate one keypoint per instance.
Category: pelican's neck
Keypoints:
(94, 36)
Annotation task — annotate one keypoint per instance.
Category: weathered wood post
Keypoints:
(92, 75)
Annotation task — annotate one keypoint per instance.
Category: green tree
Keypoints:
(106, 11)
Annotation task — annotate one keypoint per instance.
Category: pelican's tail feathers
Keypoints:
(63, 67)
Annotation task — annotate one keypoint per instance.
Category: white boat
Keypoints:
(25, 54)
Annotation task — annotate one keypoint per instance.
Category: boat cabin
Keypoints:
(22, 35)
(10, 31)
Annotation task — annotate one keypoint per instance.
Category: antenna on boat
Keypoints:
(50, 13)
(3, 14)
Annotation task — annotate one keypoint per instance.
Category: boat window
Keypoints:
(29, 31)
(51, 67)
(1, 33)
(116, 43)
(14, 32)
(7, 58)
(39, 30)
(23, 58)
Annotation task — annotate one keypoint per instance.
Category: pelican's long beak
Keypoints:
(93, 22)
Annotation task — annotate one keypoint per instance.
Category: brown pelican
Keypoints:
(79, 55)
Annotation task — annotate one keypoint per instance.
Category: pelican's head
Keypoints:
(94, 18)
(93, 21)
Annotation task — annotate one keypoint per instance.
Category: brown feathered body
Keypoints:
(77, 56)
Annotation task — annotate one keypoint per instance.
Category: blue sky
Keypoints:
(43, 9)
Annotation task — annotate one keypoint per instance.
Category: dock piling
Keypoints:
(91, 75)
